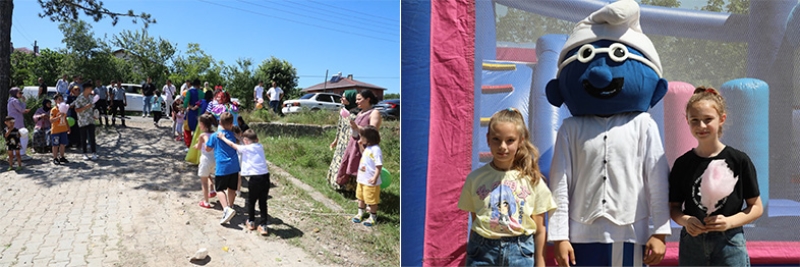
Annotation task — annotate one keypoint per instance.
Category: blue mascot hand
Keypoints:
(553, 94)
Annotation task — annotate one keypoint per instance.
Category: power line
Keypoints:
(355, 11)
(299, 22)
(20, 32)
(295, 13)
(386, 25)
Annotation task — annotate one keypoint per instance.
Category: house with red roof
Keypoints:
(338, 84)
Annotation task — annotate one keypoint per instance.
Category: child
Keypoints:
(178, 118)
(207, 159)
(368, 190)
(238, 133)
(227, 171)
(254, 168)
(714, 225)
(156, 108)
(507, 198)
(59, 132)
(12, 143)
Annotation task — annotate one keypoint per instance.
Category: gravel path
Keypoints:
(134, 206)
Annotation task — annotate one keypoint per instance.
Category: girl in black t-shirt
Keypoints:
(707, 187)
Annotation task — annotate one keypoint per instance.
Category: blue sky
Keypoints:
(353, 37)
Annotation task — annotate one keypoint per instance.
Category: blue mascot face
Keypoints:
(604, 78)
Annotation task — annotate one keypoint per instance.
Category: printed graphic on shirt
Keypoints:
(506, 211)
(710, 191)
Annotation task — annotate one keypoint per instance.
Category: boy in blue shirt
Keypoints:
(226, 176)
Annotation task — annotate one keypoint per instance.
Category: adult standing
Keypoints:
(16, 109)
(365, 100)
(148, 91)
(169, 97)
(102, 103)
(77, 80)
(42, 88)
(191, 103)
(275, 95)
(83, 109)
(185, 87)
(339, 145)
(74, 134)
(258, 92)
(41, 131)
(62, 86)
(118, 104)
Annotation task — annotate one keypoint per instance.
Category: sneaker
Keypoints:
(369, 222)
(94, 156)
(357, 219)
(10, 168)
(85, 157)
(19, 168)
(144, 115)
(63, 160)
(212, 194)
(262, 229)
(227, 215)
(205, 205)
(56, 162)
(250, 225)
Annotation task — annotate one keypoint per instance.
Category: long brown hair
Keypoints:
(526, 160)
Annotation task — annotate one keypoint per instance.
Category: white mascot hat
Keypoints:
(616, 21)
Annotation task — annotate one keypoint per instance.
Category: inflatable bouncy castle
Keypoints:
(459, 74)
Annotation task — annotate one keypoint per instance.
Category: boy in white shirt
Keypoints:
(368, 190)
(254, 168)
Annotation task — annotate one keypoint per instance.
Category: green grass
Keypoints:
(320, 117)
(308, 158)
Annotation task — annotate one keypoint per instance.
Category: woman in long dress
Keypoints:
(339, 144)
(366, 101)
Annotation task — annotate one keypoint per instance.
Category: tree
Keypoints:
(391, 96)
(48, 65)
(196, 65)
(150, 57)
(240, 82)
(56, 10)
(282, 73)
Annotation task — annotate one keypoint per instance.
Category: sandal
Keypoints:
(262, 229)
(250, 225)
(205, 205)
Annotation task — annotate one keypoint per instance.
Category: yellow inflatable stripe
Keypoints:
(499, 66)
(485, 122)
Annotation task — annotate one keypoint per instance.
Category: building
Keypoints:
(337, 85)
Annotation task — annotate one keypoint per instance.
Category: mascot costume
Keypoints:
(609, 174)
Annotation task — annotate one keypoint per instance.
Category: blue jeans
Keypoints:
(147, 107)
(713, 249)
(506, 251)
(275, 105)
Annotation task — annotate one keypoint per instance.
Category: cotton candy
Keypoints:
(717, 183)
(63, 107)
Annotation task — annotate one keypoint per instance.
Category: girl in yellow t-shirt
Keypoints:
(507, 198)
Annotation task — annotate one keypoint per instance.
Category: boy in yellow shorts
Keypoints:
(368, 191)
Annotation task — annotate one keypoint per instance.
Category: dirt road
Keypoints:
(134, 206)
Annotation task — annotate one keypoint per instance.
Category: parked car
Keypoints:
(313, 101)
(389, 109)
(33, 91)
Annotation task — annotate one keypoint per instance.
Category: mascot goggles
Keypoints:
(617, 52)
